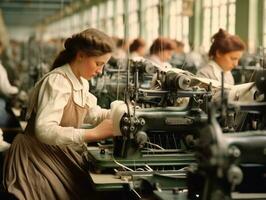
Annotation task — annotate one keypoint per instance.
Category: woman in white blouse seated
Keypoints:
(161, 52)
(224, 54)
(137, 48)
(46, 162)
(6, 89)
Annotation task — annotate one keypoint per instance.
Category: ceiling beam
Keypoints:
(30, 6)
(36, 1)
(32, 12)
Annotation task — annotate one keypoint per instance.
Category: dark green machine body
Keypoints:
(168, 128)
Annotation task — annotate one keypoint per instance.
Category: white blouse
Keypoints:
(5, 87)
(163, 65)
(228, 77)
(54, 94)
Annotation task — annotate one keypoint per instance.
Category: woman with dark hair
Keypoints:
(224, 54)
(137, 48)
(120, 51)
(161, 51)
(46, 162)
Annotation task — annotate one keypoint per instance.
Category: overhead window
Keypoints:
(102, 16)
(217, 14)
(179, 24)
(264, 24)
(133, 20)
(109, 28)
(75, 23)
(119, 19)
(151, 20)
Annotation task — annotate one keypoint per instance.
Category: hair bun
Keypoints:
(224, 42)
(221, 34)
(67, 43)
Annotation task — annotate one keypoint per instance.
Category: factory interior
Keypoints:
(133, 99)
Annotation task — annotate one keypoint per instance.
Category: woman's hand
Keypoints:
(102, 131)
(105, 129)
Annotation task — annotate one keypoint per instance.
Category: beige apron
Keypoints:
(34, 170)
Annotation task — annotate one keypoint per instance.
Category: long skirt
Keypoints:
(34, 170)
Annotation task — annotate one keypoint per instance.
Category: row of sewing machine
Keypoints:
(183, 137)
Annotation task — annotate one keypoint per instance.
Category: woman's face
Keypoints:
(228, 61)
(142, 51)
(165, 55)
(89, 67)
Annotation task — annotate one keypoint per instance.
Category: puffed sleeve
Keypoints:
(202, 72)
(53, 97)
(95, 113)
(206, 72)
